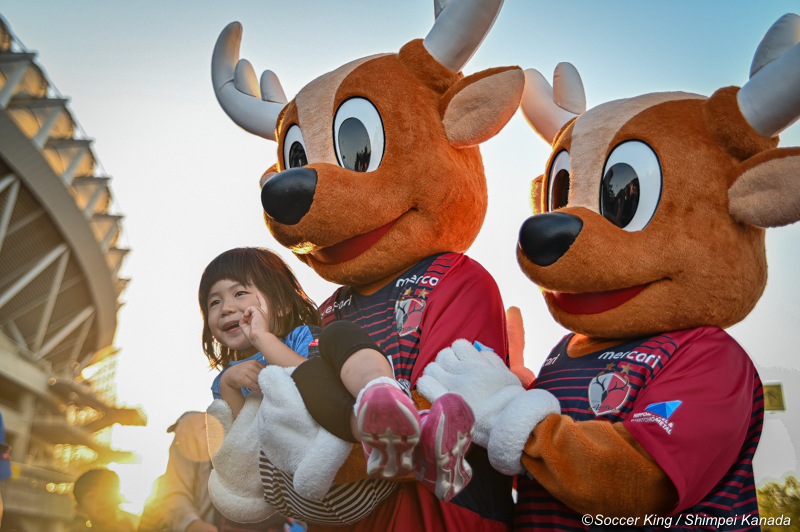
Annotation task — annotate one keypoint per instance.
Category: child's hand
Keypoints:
(255, 322)
(244, 375)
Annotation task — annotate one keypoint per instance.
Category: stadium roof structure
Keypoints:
(60, 253)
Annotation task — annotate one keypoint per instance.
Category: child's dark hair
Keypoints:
(265, 270)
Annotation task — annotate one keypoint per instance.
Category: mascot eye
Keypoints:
(358, 135)
(631, 186)
(294, 148)
(558, 182)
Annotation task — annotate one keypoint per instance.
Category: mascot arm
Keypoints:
(597, 467)
(235, 485)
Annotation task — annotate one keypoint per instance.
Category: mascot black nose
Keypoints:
(545, 238)
(287, 197)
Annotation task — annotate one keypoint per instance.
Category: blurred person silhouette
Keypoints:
(5, 460)
(97, 500)
(180, 501)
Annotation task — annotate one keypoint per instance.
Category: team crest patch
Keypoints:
(408, 311)
(608, 392)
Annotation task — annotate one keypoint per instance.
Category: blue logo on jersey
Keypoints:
(663, 409)
(480, 347)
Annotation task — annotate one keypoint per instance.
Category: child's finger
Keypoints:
(254, 380)
(262, 301)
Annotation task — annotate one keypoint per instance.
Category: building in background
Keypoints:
(59, 296)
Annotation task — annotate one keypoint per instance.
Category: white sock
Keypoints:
(379, 380)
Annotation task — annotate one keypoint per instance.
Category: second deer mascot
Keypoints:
(647, 241)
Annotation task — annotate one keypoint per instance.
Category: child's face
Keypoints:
(227, 301)
(101, 506)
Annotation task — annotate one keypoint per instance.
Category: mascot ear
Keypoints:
(537, 197)
(476, 108)
(766, 192)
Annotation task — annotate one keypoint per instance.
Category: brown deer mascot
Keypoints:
(379, 187)
(647, 241)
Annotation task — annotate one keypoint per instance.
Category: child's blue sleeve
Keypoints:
(303, 340)
(215, 387)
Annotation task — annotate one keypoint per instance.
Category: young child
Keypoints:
(97, 501)
(256, 313)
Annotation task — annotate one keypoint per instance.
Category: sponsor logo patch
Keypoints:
(649, 359)
(551, 361)
(658, 413)
(337, 305)
(664, 409)
(427, 280)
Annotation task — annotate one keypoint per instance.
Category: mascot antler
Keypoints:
(547, 108)
(255, 109)
(770, 101)
(458, 32)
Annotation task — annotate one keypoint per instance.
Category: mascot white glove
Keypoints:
(235, 483)
(505, 414)
(292, 440)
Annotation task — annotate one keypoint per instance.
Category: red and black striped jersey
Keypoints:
(692, 399)
(424, 310)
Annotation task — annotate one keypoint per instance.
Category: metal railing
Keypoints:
(38, 492)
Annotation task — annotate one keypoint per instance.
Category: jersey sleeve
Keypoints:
(466, 304)
(693, 417)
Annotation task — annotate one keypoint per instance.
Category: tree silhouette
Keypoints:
(776, 500)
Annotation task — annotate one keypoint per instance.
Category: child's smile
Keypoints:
(230, 326)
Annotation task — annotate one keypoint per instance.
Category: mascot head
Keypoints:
(651, 213)
(378, 161)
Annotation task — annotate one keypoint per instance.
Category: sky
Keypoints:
(186, 178)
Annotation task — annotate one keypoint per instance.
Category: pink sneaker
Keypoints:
(446, 435)
(389, 427)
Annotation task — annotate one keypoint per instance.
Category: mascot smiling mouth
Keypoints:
(352, 247)
(594, 302)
